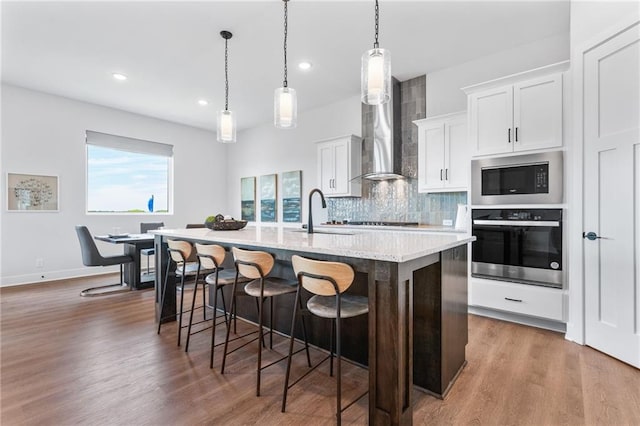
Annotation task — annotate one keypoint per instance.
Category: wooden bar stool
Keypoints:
(256, 266)
(210, 257)
(327, 281)
(179, 252)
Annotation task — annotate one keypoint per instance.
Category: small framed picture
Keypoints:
(32, 193)
(268, 198)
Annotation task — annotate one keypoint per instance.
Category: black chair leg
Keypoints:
(213, 326)
(271, 323)
(164, 294)
(339, 373)
(331, 348)
(226, 340)
(291, 338)
(181, 309)
(260, 342)
(193, 305)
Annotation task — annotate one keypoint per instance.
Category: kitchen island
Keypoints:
(417, 289)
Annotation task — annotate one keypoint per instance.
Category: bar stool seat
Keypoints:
(273, 286)
(351, 306)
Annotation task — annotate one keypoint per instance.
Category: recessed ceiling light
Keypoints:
(203, 102)
(119, 76)
(304, 65)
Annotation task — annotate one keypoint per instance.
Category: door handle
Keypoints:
(516, 134)
(513, 300)
(441, 174)
(446, 174)
(509, 135)
(592, 236)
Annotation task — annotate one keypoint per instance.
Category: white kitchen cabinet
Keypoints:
(443, 162)
(517, 113)
(339, 162)
(523, 299)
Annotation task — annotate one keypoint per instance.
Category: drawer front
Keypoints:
(523, 299)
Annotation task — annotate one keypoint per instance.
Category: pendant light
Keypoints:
(376, 73)
(285, 105)
(226, 119)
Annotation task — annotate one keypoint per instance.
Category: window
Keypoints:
(126, 175)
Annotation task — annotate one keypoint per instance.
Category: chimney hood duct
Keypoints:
(387, 139)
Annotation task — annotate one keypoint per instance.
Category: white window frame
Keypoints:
(139, 146)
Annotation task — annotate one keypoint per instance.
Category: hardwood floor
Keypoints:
(72, 360)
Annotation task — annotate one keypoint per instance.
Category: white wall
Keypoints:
(591, 22)
(45, 134)
(265, 150)
(443, 86)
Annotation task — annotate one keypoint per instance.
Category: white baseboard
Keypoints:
(55, 275)
(520, 319)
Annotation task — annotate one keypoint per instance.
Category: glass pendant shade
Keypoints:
(285, 107)
(376, 77)
(226, 126)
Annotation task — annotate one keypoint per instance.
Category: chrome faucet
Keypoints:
(324, 206)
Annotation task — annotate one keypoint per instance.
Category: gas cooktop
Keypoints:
(381, 223)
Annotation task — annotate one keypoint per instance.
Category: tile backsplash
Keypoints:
(398, 200)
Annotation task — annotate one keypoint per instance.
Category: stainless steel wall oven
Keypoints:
(520, 245)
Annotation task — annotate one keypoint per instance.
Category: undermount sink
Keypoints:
(323, 232)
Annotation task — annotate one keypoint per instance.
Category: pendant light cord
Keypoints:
(284, 83)
(375, 43)
(226, 76)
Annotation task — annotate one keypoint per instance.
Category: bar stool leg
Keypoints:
(288, 373)
(260, 340)
(181, 308)
(164, 294)
(193, 306)
(339, 372)
(271, 323)
(226, 340)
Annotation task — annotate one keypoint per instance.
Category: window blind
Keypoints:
(123, 143)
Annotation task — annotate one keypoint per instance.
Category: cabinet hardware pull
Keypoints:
(509, 137)
(446, 174)
(441, 174)
(512, 300)
(516, 134)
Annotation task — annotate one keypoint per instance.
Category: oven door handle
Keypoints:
(541, 223)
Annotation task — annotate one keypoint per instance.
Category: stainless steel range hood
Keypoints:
(387, 139)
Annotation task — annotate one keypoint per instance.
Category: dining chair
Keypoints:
(92, 257)
(144, 228)
(328, 282)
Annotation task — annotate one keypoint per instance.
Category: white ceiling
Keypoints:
(173, 54)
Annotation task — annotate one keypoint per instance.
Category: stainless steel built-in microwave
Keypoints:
(521, 179)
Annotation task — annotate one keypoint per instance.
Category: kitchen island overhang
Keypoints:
(417, 289)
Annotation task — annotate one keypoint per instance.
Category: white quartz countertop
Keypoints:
(418, 228)
(392, 246)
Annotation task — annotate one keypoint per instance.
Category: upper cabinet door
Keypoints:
(326, 163)
(456, 159)
(431, 156)
(537, 113)
(342, 164)
(443, 154)
(339, 166)
(491, 121)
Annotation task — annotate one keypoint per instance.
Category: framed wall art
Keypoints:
(32, 193)
(268, 198)
(291, 196)
(248, 198)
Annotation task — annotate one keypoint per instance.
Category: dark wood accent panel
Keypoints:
(440, 321)
(454, 314)
(427, 337)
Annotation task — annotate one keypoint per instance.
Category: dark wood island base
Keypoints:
(417, 322)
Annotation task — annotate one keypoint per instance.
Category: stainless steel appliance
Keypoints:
(520, 179)
(520, 245)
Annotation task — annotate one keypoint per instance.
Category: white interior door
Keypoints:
(612, 196)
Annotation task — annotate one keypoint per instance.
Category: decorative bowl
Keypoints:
(226, 225)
